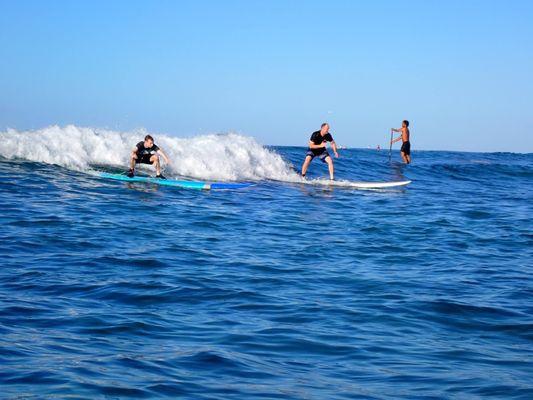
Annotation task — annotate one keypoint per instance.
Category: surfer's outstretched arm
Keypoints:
(334, 147)
(167, 160)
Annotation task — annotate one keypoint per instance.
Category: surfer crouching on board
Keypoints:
(405, 151)
(317, 148)
(147, 152)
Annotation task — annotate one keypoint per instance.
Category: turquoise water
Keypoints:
(283, 290)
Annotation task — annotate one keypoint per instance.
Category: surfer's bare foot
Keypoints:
(130, 174)
(160, 176)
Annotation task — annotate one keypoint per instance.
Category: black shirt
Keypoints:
(145, 151)
(317, 138)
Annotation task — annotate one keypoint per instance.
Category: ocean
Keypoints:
(283, 290)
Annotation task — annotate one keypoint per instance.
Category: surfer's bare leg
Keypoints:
(330, 167)
(305, 165)
(405, 157)
(155, 160)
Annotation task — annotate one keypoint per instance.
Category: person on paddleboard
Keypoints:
(405, 151)
(147, 152)
(317, 148)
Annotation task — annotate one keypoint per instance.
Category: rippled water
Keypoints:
(277, 291)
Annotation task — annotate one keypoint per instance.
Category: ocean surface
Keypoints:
(284, 290)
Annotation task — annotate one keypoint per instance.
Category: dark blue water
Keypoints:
(280, 291)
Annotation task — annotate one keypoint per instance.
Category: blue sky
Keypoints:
(460, 71)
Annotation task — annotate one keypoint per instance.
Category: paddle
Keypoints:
(390, 147)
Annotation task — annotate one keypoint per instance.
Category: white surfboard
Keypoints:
(358, 185)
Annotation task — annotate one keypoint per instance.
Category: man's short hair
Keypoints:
(324, 124)
(148, 137)
(406, 122)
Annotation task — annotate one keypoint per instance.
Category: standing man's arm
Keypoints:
(334, 147)
(312, 145)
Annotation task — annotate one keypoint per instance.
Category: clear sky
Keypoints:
(460, 71)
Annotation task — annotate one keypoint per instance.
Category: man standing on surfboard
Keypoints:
(406, 145)
(147, 152)
(317, 148)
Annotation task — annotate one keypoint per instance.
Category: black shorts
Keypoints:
(406, 148)
(322, 155)
(144, 159)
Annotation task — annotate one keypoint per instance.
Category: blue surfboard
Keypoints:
(182, 184)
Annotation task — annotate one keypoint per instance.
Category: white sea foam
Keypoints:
(210, 157)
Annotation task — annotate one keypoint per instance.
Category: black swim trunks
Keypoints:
(323, 155)
(144, 159)
(406, 148)
(145, 153)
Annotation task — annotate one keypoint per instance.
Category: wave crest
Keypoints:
(211, 157)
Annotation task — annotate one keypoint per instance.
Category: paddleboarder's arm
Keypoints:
(396, 140)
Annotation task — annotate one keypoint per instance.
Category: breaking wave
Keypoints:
(211, 157)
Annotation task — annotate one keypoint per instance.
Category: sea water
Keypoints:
(284, 290)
